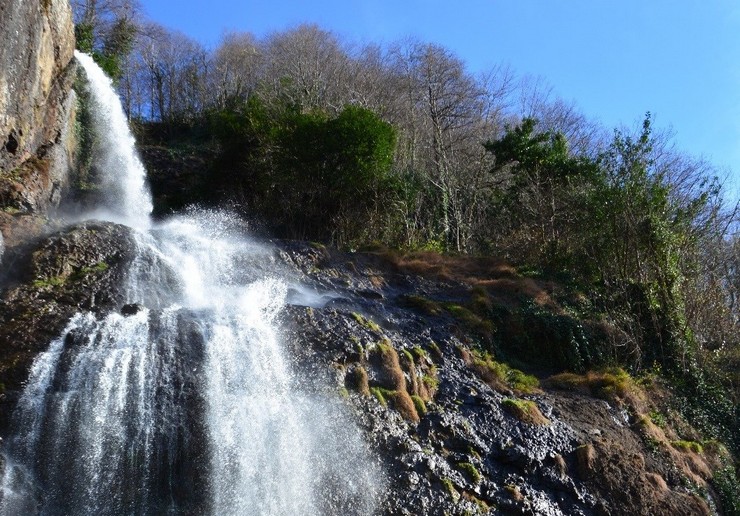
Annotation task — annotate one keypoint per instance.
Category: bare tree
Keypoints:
(445, 113)
(237, 63)
(175, 69)
(307, 67)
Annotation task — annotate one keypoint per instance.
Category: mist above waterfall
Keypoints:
(185, 402)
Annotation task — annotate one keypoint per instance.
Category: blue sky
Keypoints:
(679, 59)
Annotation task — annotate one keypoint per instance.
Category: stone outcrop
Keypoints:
(463, 451)
(78, 269)
(36, 111)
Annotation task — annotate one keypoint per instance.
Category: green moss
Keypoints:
(384, 347)
(379, 394)
(367, 323)
(499, 375)
(471, 320)
(408, 355)
(431, 382)
(435, 349)
(657, 418)
(419, 353)
(450, 488)
(470, 470)
(53, 281)
(421, 407)
(687, 446)
(84, 271)
(520, 381)
(58, 281)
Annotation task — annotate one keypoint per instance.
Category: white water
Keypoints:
(190, 405)
(123, 182)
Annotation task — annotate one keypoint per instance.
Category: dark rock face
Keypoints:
(467, 454)
(79, 269)
(36, 109)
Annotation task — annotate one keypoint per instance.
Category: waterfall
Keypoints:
(126, 197)
(187, 403)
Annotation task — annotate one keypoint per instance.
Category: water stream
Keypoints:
(187, 404)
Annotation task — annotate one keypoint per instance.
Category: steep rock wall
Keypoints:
(36, 111)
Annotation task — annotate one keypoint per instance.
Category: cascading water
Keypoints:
(186, 404)
(123, 182)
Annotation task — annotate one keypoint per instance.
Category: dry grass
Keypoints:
(498, 278)
(391, 367)
(514, 492)
(403, 403)
(585, 460)
(391, 387)
(657, 482)
(510, 291)
(686, 455)
(357, 379)
(560, 466)
(613, 385)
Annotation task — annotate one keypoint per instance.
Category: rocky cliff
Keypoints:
(36, 111)
(398, 342)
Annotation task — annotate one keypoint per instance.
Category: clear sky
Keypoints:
(617, 59)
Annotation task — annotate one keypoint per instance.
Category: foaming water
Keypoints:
(188, 404)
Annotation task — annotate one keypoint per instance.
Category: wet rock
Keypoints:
(130, 309)
(79, 269)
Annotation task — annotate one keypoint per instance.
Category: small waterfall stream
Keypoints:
(187, 404)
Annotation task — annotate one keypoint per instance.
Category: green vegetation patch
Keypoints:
(52, 281)
(500, 376)
(525, 411)
(727, 485)
(422, 304)
(612, 384)
(399, 400)
(470, 470)
(450, 488)
(470, 320)
(61, 279)
(420, 405)
(381, 394)
(367, 323)
(688, 446)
